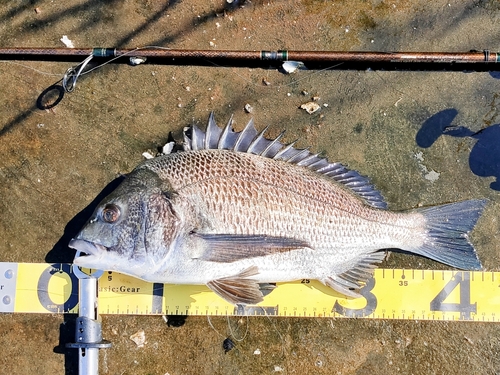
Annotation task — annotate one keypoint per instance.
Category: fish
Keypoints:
(239, 212)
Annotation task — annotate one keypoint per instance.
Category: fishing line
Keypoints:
(401, 92)
(32, 68)
(278, 86)
(282, 340)
(231, 332)
(211, 326)
(72, 74)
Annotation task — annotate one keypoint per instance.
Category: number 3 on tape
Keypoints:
(371, 303)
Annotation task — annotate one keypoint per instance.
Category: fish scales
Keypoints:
(245, 194)
(237, 212)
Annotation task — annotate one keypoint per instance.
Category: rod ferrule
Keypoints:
(104, 52)
(274, 55)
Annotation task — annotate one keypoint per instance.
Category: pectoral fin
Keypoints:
(227, 248)
(238, 289)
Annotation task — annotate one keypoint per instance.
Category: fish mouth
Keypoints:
(86, 249)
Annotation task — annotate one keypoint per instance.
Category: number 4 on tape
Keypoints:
(460, 280)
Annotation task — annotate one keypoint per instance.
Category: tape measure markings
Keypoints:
(390, 294)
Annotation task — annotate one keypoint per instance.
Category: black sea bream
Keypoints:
(238, 212)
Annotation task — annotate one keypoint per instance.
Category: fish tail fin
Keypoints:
(447, 230)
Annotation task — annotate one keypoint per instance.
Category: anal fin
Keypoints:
(350, 281)
(239, 289)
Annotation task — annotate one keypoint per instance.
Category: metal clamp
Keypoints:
(88, 334)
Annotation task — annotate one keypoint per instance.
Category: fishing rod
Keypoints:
(291, 60)
(177, 56)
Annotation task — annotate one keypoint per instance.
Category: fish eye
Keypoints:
(110, 213)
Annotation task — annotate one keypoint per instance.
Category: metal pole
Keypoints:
(88, 331)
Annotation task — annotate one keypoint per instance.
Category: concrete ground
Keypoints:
(386, 124)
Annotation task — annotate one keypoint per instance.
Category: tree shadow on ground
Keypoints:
(484, 158)
(87, 23)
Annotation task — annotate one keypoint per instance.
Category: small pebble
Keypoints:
(136, 60)
(228, 345)
(139, 338)
(248, 108)
(310, 107)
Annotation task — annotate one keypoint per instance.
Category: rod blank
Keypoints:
(159, 55)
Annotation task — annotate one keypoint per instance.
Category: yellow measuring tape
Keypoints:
(390, 294)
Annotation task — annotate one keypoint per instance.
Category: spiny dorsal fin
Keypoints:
(251, 141)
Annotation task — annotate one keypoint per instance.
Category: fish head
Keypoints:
(132, 229)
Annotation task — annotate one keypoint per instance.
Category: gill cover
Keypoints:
(125, 229)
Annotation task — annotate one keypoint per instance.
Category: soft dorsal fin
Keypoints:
(251, 141)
